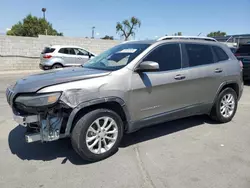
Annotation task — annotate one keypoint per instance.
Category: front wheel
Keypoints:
(225, 106)
(97, 134)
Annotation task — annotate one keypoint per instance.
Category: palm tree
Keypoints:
(127, 27)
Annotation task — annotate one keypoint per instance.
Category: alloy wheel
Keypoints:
(101, 135)
(227, 105)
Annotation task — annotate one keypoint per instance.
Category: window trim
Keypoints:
(157, 46)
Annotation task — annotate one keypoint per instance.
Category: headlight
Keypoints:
(38, 100)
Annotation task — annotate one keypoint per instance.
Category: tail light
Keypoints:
(241, 64)
(47, 56)
(237, 54)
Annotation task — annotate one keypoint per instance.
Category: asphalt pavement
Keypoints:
(189, 153)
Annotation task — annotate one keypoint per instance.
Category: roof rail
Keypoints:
(187, 37)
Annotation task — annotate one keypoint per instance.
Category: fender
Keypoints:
(94, 102)
(222, 85)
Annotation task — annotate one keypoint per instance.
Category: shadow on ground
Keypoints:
(62, 148)
(41, 151)
(163, 129)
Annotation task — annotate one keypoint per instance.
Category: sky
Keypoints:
(158, 17)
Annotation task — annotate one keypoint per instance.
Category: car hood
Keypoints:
(35, 82)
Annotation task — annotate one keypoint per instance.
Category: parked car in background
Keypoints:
(126, 88)
(233, 49)
(243, 54)
(58, 56)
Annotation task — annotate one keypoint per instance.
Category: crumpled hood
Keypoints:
(35, 82)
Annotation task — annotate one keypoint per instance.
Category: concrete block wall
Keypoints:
(22, 53)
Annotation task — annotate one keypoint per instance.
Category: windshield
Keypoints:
(116, 57)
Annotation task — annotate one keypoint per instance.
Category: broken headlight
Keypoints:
(38, 100)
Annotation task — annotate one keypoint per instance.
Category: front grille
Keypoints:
(9, 96)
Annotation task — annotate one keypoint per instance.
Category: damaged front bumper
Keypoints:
(25, 120)
(40, 128)
(43, 124)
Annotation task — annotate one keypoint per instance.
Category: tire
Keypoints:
(83, 130)
(57, 66)
(217, 112)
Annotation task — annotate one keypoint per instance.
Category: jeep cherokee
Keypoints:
(128, 87)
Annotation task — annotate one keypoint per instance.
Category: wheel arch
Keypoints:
(234, 85)
(231, 84)
(113, 103)
(57, 63)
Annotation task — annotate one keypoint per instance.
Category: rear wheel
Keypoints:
(57, 66)
(225, 106)
(97, 134)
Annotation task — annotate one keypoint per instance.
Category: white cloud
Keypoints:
(97, 34)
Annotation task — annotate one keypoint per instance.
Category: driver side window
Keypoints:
(79, 51)
(168, 56)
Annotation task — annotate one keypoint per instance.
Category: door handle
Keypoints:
(218, 70)
(179, 77)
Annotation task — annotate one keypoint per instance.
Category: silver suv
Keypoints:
(128, 87)
(63, 56)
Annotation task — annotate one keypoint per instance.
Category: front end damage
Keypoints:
(43, 123)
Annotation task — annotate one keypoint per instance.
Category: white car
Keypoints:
(59, 56)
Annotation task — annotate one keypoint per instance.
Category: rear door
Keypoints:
(68, 56)
(82, 56)
(204, 75)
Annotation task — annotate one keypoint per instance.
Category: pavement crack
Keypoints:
(146, 177)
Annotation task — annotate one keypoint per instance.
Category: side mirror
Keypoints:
(148, 66)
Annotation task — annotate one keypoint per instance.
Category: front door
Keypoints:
(163, 91)
(82, 56)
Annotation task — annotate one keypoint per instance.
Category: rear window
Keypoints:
(48, 50)
(243, 49)
(220, 54)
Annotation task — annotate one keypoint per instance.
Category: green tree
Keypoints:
(127, 27)
(32, 26)
(178, 34)
(108, 37)
(217, 34)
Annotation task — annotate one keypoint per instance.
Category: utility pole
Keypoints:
(93, 32)
(44, 10)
